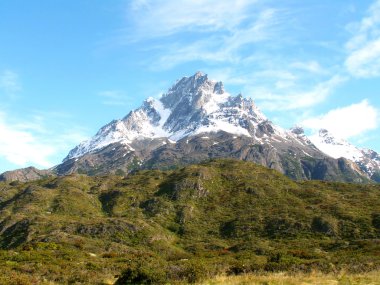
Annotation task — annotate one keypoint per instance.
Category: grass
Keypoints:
(284, 278)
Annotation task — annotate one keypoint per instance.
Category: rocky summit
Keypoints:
(197, 120)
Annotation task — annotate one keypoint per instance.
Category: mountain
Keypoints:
(223, 217)
(197, 120)
(25, 174)
(368, 160)
(192, 106)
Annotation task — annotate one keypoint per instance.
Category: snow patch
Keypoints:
(274, 139)
(164, 115)
(220, 125)
(336, 148)
(215, 101)
(306, 153)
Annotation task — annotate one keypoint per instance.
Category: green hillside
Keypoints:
(184, 225)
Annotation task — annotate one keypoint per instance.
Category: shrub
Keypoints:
(376, 220)
(322, 225)
(142, 275)
(194, 271)
(144, 269)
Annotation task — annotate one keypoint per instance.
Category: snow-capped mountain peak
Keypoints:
(191, 106)
(334, 146)
(368, 160)
(196, 106)
(193, 91)
(197, 119)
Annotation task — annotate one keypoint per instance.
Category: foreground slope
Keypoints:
(223, 216)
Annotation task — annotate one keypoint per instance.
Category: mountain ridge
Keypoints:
(24, 174)
(197, 120)
(368, 160)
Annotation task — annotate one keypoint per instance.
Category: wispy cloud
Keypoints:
(347, 122)
(114, 98)
(158, 18)
(223, 47)
(20, 147)
(224, 35)
(363, 48)
(365, 62)
(209, 31)
(282, 89)
(32, 142)
(310, 66)
(297, 99)
(9, 82)
(254, 45)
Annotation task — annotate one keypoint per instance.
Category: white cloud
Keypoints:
(30, 142)
(247, 40)
(223, 47)
(366, 29)
(365, 62)
(21, 147)
(281, 89)
(309, 66)
(347, 122)
(9, 82)
(114, 98)
(363, 48)
(157, 18)
(242, 38)
(290, 100)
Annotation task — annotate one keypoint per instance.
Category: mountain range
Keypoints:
(197, 120)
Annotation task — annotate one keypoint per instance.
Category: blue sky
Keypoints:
(69, 67)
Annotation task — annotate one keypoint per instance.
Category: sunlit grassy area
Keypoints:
(370, 278)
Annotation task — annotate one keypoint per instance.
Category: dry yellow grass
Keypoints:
(372, 278)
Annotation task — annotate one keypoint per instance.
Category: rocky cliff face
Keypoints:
(197, 120)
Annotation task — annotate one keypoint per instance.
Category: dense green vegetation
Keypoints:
(184, 225)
